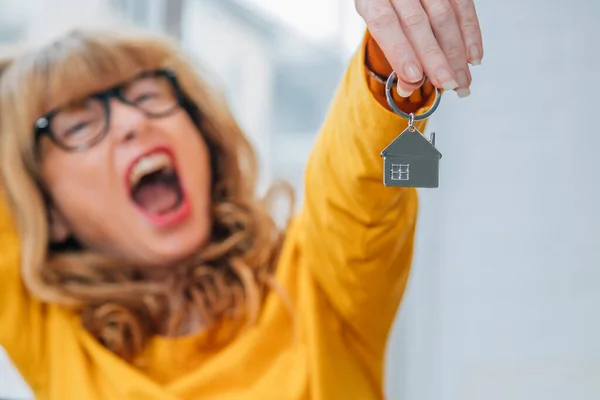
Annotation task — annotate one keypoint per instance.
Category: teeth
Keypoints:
(149, 164)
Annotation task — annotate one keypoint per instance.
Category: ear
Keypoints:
(58, 228)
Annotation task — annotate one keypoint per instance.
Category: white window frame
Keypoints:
(400, 172)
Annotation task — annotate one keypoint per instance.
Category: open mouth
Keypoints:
(154, 184)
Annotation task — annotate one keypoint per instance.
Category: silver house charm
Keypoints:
(411, 160)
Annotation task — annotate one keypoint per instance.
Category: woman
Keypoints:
(136, 261)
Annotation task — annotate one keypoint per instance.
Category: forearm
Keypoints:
(359, 233)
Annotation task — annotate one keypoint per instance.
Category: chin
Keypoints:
(160, 251)
(176, 249)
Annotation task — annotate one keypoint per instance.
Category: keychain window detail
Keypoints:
(400, 172)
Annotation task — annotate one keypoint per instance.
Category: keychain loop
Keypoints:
(411, 121)
(411, 117)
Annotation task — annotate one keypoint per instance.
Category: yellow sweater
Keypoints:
(345, 265)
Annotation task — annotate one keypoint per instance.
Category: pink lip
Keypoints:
(174, 217)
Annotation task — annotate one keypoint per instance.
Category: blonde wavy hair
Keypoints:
(230, 276)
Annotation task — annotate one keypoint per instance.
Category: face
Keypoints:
(142, 190)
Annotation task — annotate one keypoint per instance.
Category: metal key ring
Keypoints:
(390, 99)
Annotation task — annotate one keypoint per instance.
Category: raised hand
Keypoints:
(433, 38)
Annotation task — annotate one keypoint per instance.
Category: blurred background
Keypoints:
(504, 298)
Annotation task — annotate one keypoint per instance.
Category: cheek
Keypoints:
(80, 189)
(195, 170)
(195, 174)
(193, 159)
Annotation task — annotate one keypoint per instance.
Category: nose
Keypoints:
(126, 123)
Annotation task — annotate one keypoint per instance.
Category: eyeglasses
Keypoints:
(80, 125)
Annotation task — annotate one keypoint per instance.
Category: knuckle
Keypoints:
(399, 49)
(413, 18)
(462, 4)
(470, 25)
(380, 21)
(455, 50)
(431, 51)
(441, 11)
(379, 17)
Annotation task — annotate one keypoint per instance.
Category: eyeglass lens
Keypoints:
(81, 122)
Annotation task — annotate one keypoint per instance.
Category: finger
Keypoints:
(407, 89)
(446, 29)
(470, 28)
(415, 22)
(415, 96)
(463, 77)
(384, 26)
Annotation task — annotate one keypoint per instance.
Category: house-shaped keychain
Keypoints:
(411, 161)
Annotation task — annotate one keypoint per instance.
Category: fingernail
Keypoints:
(450, 85)
(463, 83)
(462, 93)
(403, 93)
(462, 78)
(474, 54)
(412, 72)
(446, 80)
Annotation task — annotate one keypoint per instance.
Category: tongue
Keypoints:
(157, 198)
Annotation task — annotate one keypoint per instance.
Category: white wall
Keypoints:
(239, 58)
(505, 297)
(12, 385)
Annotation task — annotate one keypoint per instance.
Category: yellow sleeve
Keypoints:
(357, 233)
(21, 316)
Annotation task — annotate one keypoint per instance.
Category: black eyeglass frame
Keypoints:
(43, 123)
